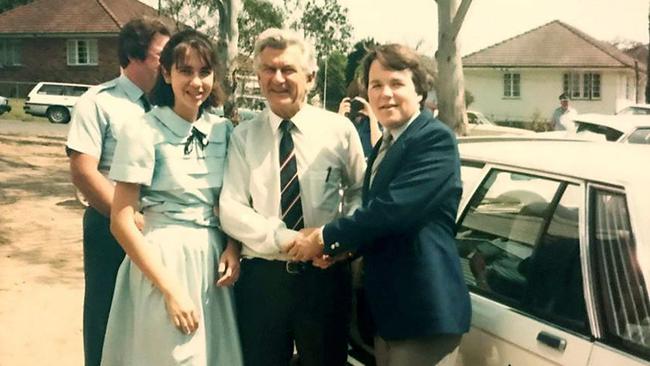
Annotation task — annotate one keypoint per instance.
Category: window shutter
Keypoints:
(72, 52)
(15, 51)
(3, 52)
(92, 51)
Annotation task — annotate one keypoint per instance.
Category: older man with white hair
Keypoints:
(285, 171)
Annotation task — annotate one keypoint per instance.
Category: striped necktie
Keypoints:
(386, 142)
(289, 184)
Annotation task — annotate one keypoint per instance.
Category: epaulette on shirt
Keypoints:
(108, 85)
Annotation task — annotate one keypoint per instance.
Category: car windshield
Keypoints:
(609, 133)
(635, 110)
(477, 118)
(640, 136)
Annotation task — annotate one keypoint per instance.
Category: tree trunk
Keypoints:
(451, 90)
(227, 46)
(647, 78)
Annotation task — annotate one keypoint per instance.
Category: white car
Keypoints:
(554, 242)
(479, 125)
(632, 129)
(555, 245)
(637, 109)
(54, 100)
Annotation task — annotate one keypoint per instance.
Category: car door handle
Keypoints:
(552, 340)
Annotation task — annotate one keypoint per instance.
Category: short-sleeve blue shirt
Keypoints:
(176, 186)
(99, 116)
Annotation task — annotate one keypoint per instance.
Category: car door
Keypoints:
(519, 241)
(619, 284)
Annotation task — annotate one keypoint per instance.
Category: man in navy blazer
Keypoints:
(405, 229)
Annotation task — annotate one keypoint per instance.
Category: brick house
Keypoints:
(63, 41)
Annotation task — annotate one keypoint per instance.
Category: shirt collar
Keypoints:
(179, 126)
(400, 130)
(299, 119)
(132, 91)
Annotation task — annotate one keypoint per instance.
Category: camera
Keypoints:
(355, 107)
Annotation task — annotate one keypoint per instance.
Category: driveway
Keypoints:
(38, 128)
(41, 276)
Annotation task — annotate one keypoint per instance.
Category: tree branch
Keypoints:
(459, 18)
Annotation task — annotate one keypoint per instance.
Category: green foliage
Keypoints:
(326, 23)
(336, 85)
(201, 15)
(359, 51)
(10, 4)
(257, 15)
(469, 98)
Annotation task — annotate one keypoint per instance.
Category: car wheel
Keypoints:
(58, 115)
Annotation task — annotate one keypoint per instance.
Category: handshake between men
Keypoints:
(308, 246)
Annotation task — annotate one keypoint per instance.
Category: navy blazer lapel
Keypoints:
(366, 177)
(394, 154)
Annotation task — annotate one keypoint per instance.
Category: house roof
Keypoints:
(72, 16)
(555, 44)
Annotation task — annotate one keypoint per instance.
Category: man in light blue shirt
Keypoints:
(563, 115)
(98, 117)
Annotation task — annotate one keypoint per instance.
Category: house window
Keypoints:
(511, 85)
(582, 85)
(9, 52)
(82, 52)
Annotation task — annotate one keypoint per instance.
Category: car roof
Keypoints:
(613, 163)
(640, 105)
(57, 83)
(621, 122)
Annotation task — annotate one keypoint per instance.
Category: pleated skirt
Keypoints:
(140, 332)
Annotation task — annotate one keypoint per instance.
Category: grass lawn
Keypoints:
(18, 113)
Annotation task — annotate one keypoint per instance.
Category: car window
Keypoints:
(470, 172)
(75, 91)
(609, 133)
(519, 245)
(640, 136)
(623, 292)
(50, 89)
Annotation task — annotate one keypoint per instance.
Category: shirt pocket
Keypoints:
(324, 187)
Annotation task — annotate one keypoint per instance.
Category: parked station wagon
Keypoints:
(554, 241)
(54, 100)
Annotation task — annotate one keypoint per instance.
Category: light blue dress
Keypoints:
(179, 188)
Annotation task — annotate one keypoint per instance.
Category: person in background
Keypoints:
(285, 170)
(406, 228)
(98, 117)
(563, 115)
(359, 112)
(170, 306)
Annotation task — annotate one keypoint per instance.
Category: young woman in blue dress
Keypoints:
(170, 305)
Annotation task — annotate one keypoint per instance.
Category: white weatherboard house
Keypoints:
(521, 78)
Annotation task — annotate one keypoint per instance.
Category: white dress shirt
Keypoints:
(329, 158)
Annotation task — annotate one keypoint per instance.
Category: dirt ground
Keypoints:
(41, 274)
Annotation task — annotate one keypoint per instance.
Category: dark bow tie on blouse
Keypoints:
(196, 138)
